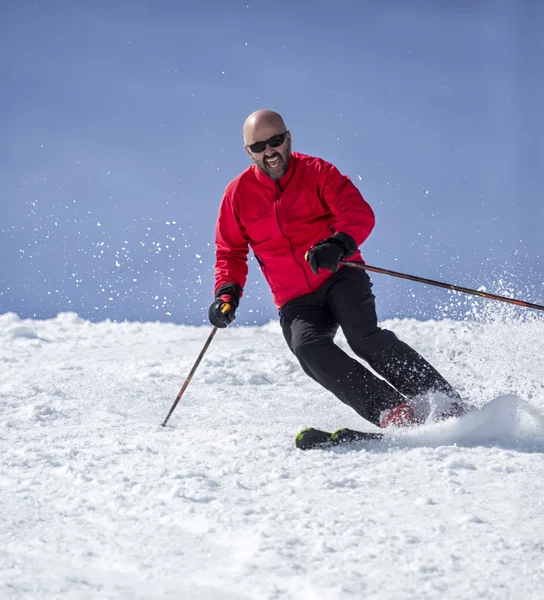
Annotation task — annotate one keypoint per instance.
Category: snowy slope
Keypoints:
(98, 501)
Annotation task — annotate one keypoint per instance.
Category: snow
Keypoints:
(99, 501)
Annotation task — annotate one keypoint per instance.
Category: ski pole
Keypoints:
(449, 286)
(190, 376)
(225, 308)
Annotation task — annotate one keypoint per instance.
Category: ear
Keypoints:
(248, 152)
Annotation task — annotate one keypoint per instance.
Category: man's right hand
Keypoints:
(223, 309)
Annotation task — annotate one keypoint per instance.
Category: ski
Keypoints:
(310, 438)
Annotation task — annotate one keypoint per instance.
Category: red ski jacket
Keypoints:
(281, 220)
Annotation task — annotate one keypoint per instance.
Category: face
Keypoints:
(271, 161)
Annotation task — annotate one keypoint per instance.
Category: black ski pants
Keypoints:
(345, 300)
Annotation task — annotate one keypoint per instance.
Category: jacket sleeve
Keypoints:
(231, 246)
(352, 213)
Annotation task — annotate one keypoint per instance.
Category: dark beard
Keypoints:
(275, 175)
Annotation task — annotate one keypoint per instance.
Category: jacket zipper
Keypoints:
(278, 196)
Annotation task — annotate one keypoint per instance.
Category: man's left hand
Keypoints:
(328, 253)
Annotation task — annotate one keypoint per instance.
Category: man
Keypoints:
(302, 219)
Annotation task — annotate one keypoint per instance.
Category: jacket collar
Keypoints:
(283, 181)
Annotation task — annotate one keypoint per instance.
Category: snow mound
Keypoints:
(504, 421)
(23, 331)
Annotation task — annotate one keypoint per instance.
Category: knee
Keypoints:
(372, 343)
(312, 358)
(381, 339)
(306, 351)
(315, 355)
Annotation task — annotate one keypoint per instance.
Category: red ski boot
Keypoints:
(401, 415)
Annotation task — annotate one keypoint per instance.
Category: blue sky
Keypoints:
(121, 126)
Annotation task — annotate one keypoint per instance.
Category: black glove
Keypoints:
(222, 310)
(328, 253)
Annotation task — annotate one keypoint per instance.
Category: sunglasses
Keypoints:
(273, 142)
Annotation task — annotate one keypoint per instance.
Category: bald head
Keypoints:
(261, 123)
(273, 154)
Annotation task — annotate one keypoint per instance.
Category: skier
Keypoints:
(301, 218)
